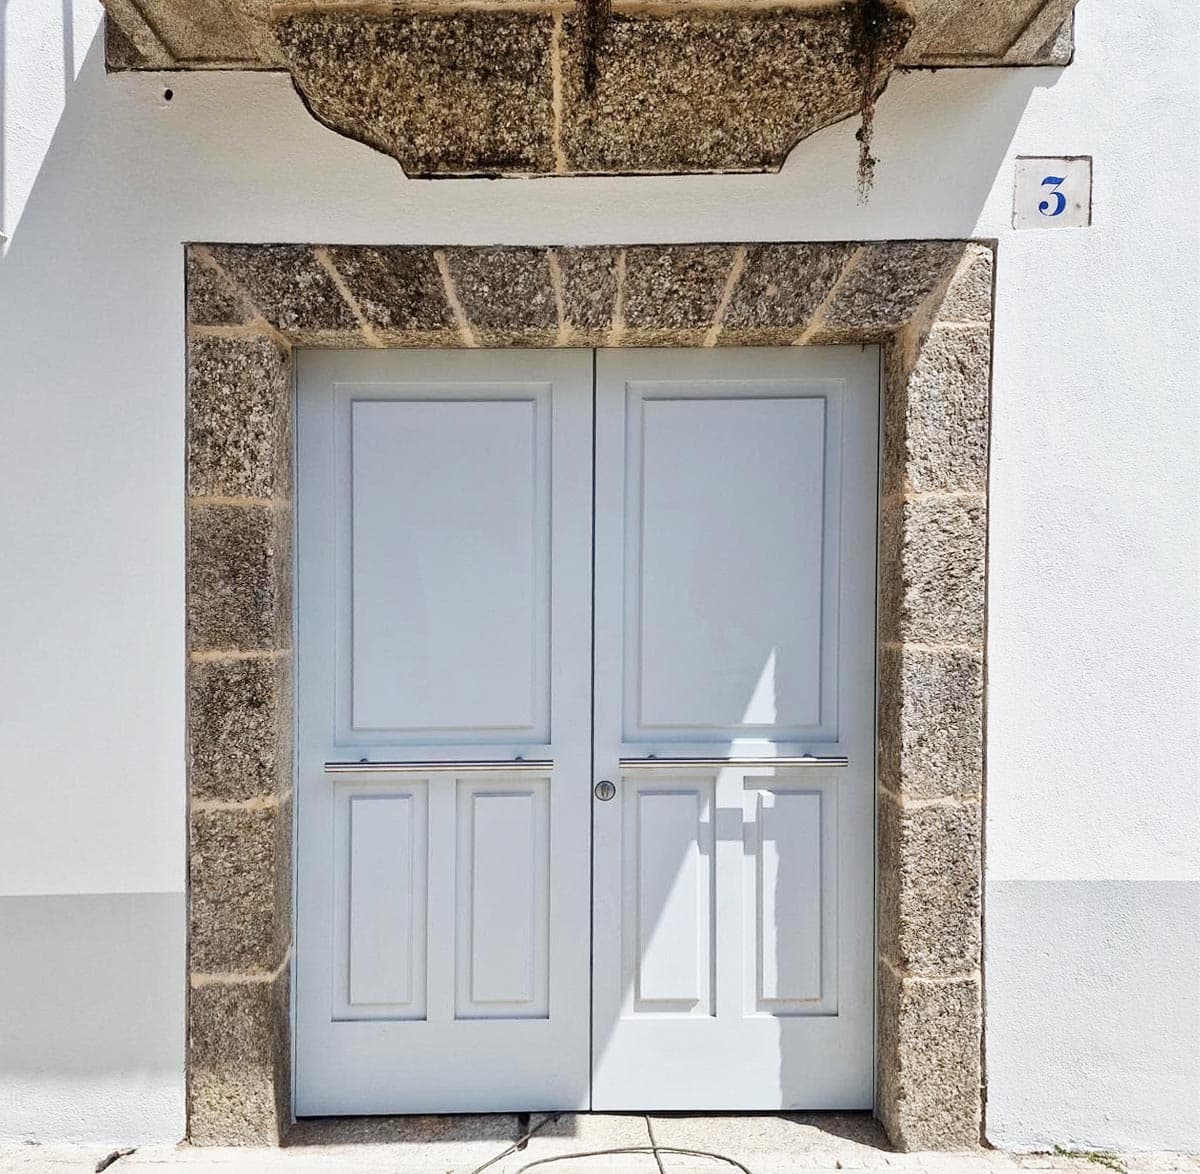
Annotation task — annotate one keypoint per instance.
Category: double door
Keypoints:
(585, 702)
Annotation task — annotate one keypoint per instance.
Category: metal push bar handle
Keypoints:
(494, 765)
(796, 760)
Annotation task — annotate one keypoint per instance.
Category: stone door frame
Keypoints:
(929, 304)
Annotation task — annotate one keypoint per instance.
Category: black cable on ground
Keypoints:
(653, 1149)
(519, 1144)
(654, 1143)
(634, 1149)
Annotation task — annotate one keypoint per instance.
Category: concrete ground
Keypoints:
(508, 1144)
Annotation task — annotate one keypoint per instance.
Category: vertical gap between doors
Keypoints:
(591, 780)
(880, 409)
(293, 979)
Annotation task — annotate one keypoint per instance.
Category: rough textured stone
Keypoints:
(956, 32)
(932, 559)
(961, 37)
(239, 909)
(672, 292)
(930, 722)
(929, 862)
(969, 296)
(452, 1137)
(239, 438)
(129, 42)
(506, 294)
(885, 288)
(400, 293)
(240, 727)
(712, 90)
(194, 34)
(937, 414)
(459, 92)
(254, 19)
(929, 1070)
(779, 291)
(589, 288)
(292, 292)
(239, 1062)
(1045, 43)
(239, 577)
(210, 302)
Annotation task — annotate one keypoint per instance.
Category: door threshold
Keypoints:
(502, 1143)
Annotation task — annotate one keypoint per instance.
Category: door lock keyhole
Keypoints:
(604, 790)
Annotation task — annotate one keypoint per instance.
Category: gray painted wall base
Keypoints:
(1104, 986)
(82, 1035)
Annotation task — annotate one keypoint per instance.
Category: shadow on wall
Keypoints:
(68, 75)
(254, 157)
(127, 177)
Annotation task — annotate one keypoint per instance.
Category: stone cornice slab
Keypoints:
(592, 87)
(236, 34)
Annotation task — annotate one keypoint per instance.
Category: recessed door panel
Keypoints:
(381, 902)
(725, 559)
(791, 844)
(669, 886)
(503, 900)
(439, 490)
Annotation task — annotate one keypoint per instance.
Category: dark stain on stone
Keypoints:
(872, 29)
(713, 90)
(594, 16)
(120, 53)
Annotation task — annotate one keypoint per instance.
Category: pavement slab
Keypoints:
(541, 1143)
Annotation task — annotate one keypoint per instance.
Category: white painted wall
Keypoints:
(1092, 874)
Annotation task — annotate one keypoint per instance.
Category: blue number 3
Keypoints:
(1053, 181)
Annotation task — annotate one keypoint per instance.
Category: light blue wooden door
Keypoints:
(444, 682)
(734, 718)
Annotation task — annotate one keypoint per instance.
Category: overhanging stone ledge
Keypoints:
(236, 34)
(543, 87)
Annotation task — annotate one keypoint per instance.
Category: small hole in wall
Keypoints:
(168, 94)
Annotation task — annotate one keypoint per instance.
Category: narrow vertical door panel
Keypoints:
(384, 942)
(443, 689)
(669, 886)
(790, 909)
(734, 710)
(503, 901)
